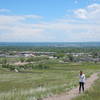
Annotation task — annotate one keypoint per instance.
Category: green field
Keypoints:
(36, 83)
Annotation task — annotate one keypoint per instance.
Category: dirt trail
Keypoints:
(74, 92)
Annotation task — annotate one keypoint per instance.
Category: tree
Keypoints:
(70, 57)
(22, 59)
(4, 63)
(94, 54)
(30, 59)
(59, 55)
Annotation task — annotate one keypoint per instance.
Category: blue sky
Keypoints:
(49, 20)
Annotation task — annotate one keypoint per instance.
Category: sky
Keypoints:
(49, 20)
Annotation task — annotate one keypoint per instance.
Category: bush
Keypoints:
(40, 66)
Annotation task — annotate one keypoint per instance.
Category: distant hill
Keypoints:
(53, 44)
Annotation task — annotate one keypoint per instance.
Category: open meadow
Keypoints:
(39, 83)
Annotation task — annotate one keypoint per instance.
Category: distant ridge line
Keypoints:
(52, 44)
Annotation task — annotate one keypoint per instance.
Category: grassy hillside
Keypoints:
(34, 84)
(92, 94)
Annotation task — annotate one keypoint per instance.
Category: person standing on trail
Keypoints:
(81, 81)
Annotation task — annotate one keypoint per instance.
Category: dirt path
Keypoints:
(74, 92)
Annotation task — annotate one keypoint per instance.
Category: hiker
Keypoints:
(81, 81)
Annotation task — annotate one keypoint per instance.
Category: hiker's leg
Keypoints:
(83, 86)
(79, 87)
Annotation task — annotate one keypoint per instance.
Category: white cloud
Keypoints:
(5, 10)
(81, 13)
(21, 35)
(89, 13)
(9, 19)
(16, 28)
(20, 32)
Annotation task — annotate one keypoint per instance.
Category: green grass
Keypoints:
(33, 84)
(92, 94)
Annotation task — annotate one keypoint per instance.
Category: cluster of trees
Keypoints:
(95, 54)
(5, 64)
(25, 67)
(33, 59)
(4, 49)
